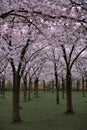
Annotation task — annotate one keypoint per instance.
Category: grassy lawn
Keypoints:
(43, 114)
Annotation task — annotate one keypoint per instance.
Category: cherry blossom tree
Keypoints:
(62, 24)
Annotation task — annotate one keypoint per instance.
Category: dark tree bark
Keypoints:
(86, 83)
(29, 89)
(25, 87)
(69, 64)
(57, 88)
(16, 99)
(16, 83)
(83, 87)
(69, 107)
(59, 85)
(0, 87)
(56, 78)
(52, 86)
(63, 87)
(3, 88)
(36, 87)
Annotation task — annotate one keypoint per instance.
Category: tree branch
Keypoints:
(4, 15)
(22, 55)
(12, 64)
(71, 53)
(64, 54)
(44, 15)
(37, 51)
(77, 56)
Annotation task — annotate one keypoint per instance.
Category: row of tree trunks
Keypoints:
(27, 90)
(16, 93)
(2, 87)
(84, 86)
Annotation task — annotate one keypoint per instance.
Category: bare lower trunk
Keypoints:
(36, 87)
(69, 107)
(25, 88)
(57, 88)
(63, 87)
(57, 95)
(2, 88)
(86, 84)
(83, 91)
(16, 102)
(29, 89)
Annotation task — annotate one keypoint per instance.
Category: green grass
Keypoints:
(43, 114)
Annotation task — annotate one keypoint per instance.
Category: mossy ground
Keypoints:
(43, 113)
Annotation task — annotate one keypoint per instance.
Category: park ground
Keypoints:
(43, 113)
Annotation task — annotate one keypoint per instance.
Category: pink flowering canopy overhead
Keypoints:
(43, 24)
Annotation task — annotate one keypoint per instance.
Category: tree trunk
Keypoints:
(69, 107)
(83, 91)
(63, 87)
(16, 102)
(36, 87)
(57, 88)
(0, 88)
(86, 84)
(52, 86)
(3, 88)
(29, 89)
(25, 88)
